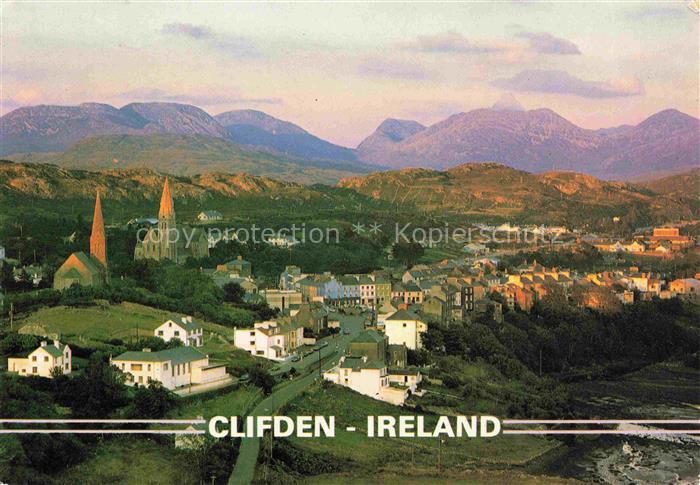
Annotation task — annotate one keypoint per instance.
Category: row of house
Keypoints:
(662, 241)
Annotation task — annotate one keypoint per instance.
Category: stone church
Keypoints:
(83, 269)
(168, 240)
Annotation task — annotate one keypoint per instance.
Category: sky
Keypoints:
(339, 69)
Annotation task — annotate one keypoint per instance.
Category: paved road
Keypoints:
(244, 470)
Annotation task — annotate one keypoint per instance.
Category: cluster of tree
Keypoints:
(558, 338)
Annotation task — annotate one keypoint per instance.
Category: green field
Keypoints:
(101, 323)
(234, 403)
(352, 409)
(137, 461)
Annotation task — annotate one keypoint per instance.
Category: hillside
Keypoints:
(191, 154)
(541, 140)
(257, 129)
(494, 189)
(133, 192)
(684, 185)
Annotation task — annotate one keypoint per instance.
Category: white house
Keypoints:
(271, 340)
(282, 241)
(184, 329)
(209, 216)
(368, 377)
(404, 327)
(181, 366)
(43, 360)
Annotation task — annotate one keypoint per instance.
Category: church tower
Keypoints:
(167, 228)
(98, 241)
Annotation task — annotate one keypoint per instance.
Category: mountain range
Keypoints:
(193, 154)
(541, 140)
(535, 141)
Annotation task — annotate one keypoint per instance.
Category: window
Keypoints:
(160, 333)
(177, 333)
(149, 367)
(404, 325)
(66, 366)
(136, 367)
(34, 370)
(165, 366)
(46, 359)
(33, 358)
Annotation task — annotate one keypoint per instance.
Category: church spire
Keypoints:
(98, 241)
(167, 208)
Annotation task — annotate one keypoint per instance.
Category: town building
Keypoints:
(82, 269)
(238, 267)
(168, 240)
(283, 300)
(405, 328)
(274, 340)
(368, 377)
(173, 368)
(189, 332)
(290, 277)
(686, 288)
(47, 360)
(210, 216)
(670, 236)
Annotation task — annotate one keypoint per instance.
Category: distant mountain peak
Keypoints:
(507, 102)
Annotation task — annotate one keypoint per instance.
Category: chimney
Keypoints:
(146, 349)
(57, 344)
(240, 258)
(43, 343)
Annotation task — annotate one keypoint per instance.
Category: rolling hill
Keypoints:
(498, 190)
(132, 192)
(191, 154)
(541, 140)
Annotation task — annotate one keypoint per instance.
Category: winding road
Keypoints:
(244, 470)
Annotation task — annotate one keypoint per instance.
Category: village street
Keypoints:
(244, 469)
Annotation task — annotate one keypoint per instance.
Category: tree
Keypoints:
(153, 401)
(97, 392)
(233, 293)
(261, 378)
(407, 253)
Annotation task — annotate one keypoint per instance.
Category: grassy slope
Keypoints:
(102, 323)
(235, 403)
(352, 409)
(129, 460)
(191, 154)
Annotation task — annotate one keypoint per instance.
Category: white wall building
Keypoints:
(173, 368)
(271, 340)
(43, 360)
(185, 329)
(367, 377)
(404, 327)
